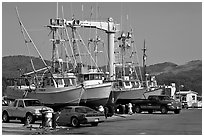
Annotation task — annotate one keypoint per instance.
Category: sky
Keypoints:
(172, 30)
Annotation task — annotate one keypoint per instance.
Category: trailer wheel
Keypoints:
(138, 109)
(164, 110)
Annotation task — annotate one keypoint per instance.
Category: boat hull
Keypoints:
(95, 95)
(134, 93)
(49, 96)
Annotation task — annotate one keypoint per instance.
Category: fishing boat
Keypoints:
(52, 85)
(126, 87)
(96, 91)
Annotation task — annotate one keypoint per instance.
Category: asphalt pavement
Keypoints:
(188, 122)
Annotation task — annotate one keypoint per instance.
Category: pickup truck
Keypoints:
(161, 103)
(28, 110)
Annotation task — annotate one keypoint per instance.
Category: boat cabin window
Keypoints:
(91, 77)
(73, 81)
(69, 82)
(127, 83)
(120, 83)
(59, 81)
(86, 77)
(98, 77)
(135, 84)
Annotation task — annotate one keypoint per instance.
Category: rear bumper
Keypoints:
(93, 120)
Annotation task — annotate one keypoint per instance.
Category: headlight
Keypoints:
(37, 112)
(169, 104)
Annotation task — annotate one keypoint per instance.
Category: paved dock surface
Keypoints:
(188, 122)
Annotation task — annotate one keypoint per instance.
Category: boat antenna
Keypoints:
(57, 11)
(144, 62)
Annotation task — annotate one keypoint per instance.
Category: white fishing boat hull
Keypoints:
(49, 96)
(96, 94)
(140, 93)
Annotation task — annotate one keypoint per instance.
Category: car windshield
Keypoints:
(165, 98)
(32, 103)
(84, 110)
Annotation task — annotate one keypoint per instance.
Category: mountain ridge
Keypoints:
(188, 74)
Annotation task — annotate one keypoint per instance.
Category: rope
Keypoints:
(87, 50)
(138, 61)
(75, 62)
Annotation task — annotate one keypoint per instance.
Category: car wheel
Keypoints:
(94, 124)
(5, 117)
(176, 111)
(164, 110)
(75, 122)
(29, 118)
(137, 109)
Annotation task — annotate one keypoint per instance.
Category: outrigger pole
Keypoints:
(23, 30)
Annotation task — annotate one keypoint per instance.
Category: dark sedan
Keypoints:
(76, 115)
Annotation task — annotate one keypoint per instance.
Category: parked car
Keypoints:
(28, 110)
(76, 115)
(161, 103)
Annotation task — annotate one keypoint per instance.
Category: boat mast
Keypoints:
(74, 44)
(144, 64)
(110, 28)
(123, 47)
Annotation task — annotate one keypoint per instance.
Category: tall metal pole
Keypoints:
(144, 63)
(111, 55)
(111, 34)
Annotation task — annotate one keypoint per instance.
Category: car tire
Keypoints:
(164, 110)
(138, 109)
(5, 117)
(75, 122)
(29, 118)
(177, 111)
(94, 124)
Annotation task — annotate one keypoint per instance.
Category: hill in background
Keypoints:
(189, 74)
